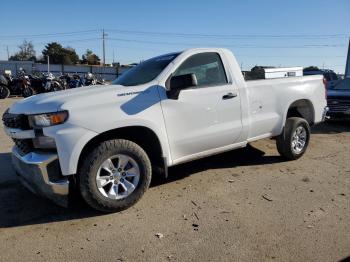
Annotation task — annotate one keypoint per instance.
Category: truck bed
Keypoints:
(269, 98)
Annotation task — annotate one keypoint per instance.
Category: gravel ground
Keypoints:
(244, 205)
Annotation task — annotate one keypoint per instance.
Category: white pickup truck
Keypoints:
(107, 141)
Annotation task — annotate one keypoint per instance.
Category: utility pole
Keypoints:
(48, 64)
(8, 53)
(104, 46)
(347, 67)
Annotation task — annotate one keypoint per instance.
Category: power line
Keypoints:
(291, 56)
(190, 43)
(49, 34)
(187, 41)
(69, 41)
(223, 45)
(192, 35)
(240, 55)
(184, 35)
(225, 36)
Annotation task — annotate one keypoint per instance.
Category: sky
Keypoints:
(270, 32)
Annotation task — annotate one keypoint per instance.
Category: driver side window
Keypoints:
(207, 67)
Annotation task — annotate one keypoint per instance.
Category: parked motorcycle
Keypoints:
(51, 84)
(36, 81)
(101, 82)
(4, 90)
(89, 79)
(27, 85)
(23, 85)
(46, 83)
(64, 80)
(20, 85)
(75, 81)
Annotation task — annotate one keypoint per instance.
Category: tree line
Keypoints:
(57, 54)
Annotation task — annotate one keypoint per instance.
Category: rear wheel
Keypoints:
(4, 92)
(115, 175)
(294, 140)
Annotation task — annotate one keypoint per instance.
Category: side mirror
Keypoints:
(177, 83)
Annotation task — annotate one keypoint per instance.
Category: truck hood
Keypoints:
(71, 98)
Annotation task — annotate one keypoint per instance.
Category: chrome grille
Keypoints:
(24, 146)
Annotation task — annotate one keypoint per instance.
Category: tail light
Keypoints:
(325, 87)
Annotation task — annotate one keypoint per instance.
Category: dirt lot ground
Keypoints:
(245, 205)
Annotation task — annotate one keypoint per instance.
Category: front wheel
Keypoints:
(115, 175)
(28, 91)
(55, 86)
(294, 140)
(4, 92)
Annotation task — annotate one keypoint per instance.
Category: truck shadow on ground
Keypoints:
(19, 207)
(331, 127)
(347, 259)
(248, 156)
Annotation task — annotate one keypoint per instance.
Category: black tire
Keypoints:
(90, 166)
(284, 141)
(28, 91)
(55, 86)
(4, 92)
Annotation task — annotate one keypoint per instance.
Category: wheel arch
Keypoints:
(145, 137)
(301, 108)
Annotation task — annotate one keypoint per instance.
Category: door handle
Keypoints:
(229, 96)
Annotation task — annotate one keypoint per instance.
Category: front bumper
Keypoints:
(40, 173)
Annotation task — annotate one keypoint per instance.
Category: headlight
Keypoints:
(48, 119)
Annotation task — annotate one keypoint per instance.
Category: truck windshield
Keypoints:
(145, 71)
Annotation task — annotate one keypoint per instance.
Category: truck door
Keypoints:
(204, 117)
